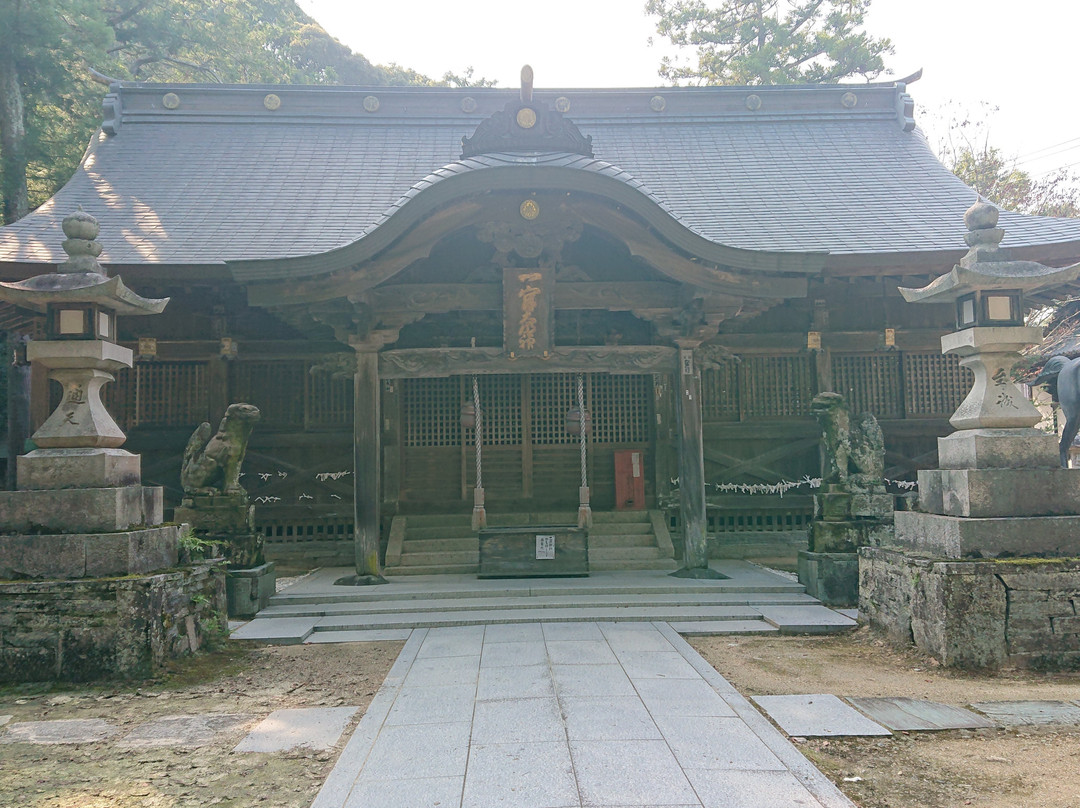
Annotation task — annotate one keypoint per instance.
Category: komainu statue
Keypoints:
(212, 464)
(852, 450)
(1061, 376)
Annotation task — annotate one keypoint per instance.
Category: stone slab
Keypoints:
(310, 727)
(1029, 712)
(848, 536)
(629, 773)
(46, 469)
(248, 591)
(93, 555)
(523, 775)
(998, 449)
(817, 715)
(68, 730)
(982, 493)
(4, 719)
(401, 634)
(806, 619)
(832, 578)
(705, 628)
(185, 730)
(750, 789)
(81, 510)
(940, 536)
(281, 631)
(906, 715)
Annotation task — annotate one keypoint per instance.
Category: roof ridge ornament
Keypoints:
(526, 126)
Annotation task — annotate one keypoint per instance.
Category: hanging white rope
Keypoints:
(479, 432)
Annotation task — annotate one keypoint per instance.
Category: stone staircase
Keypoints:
(750, 600)
(446, 543)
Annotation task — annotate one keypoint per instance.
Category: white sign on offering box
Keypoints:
(545, 546)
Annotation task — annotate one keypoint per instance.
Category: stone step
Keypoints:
(623, 553)
(435, 569)
(621, 540)
(478, 617)
(437, 559)
(616, 517)
(619, 528)
(759, 601)
(439, 588)
(439, 545)
(438, 532)
(615, 565)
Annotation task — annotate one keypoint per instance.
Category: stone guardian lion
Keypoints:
(212, 464)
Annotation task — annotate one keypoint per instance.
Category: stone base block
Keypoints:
(1000, 492)
(832, 506)
(217, 515)
(998, 449)
(249, 591)
(82, 555)
(847, 537)
(932, 534)
(872, 506)
(80, 510)
(111, 628)
(832, 578)
(78, 468)
(975, 614)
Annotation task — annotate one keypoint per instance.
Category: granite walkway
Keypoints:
(562, 715)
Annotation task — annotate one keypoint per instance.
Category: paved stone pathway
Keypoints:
(563, 715)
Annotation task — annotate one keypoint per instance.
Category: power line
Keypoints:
(1051, 146)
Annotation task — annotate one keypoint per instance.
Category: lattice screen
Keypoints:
(776, 386)
(118, 398)
(500, 403)
(934, 383)
(869, 383)
(620, 408)
(552, 394)
(431, 410)
(168, 394)
(720, 392)
(276, 388)
(328, 400)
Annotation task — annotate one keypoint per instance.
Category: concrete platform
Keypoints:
(750, 600)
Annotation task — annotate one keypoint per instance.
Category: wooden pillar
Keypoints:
(366, 455)
(18, 404)
(691, 467)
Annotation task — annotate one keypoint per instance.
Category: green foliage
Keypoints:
(192, 547)
(965, 150)
(50, 107)
(769, 41)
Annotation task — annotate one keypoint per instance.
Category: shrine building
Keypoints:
(420, 287)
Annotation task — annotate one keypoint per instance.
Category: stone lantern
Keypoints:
(978, 575)
(78, 446)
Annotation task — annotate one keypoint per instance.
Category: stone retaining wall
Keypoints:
(81, 630)
(975, 614)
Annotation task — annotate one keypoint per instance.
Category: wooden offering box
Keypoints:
(534, 552)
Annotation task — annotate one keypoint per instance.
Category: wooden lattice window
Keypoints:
(118, 397)
(500, 404)
(170, 394)
(776, 386)
(934, 383)
(620, 408)
(551, 395)
(869, 383)
(431, 410)
(276, 388)
(328, 400)
(720, 392)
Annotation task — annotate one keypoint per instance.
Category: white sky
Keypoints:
(1017, 57)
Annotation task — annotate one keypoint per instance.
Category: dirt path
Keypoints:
(236, 680)
(997, 768)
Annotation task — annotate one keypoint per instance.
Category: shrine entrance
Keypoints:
(530, 461)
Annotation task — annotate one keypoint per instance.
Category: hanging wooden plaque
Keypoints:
(527, 312)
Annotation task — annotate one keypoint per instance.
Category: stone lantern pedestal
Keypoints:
(985, 572)
(90, 585)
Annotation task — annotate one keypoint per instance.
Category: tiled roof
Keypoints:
(223, 178)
